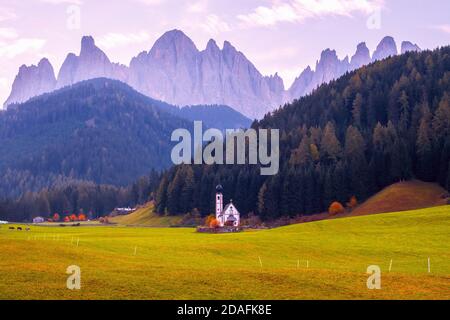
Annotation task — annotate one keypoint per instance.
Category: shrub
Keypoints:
(103, 220)
(214, 224)
(336, 208)
(352, 203)
(251, 221)
(209, 219)
(192, 218)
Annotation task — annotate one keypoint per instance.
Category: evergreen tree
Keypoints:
(161, 195)
(424, 150)
(357, 110)
(330, 146)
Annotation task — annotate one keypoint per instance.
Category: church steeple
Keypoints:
(219, 204)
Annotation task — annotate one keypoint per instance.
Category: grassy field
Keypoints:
(270, 264)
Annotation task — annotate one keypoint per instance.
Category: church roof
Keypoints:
(236, 212)
(226, 208)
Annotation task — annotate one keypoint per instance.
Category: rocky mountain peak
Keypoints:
(44, 63)
(408, 46)
(90, 51)
(328, 66)
(91, 63)
(87, 44)
(228, 47)
(32, 81)
(328, 56)
(361, 56)
(386, 48)
(174, 40)
(276, 83)
(301, 83)
(212, 46)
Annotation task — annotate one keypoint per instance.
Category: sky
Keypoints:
(283, 36)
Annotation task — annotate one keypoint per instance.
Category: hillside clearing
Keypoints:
(146, 217)
(403, 196)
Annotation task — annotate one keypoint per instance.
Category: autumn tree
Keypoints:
(352, 203)
(357, 109)
(336, 208)
(209, 219)
(331, 147)
(214, 224)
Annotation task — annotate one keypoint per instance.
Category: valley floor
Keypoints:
(319, 260)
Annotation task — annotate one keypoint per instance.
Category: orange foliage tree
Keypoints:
(73, 217)
(209, 219)
(81, 217)
(214, 224)
(336, 208)
(352, 203)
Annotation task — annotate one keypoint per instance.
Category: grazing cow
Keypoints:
(11, 228)
(19, 229)
(27, 229)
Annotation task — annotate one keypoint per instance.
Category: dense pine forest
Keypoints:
(384, 123)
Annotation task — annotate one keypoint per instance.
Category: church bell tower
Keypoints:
(219, 204)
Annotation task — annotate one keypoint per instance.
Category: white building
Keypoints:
(38, 220)
(124, 211)
(228, 216)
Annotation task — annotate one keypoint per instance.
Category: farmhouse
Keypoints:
(228, 216)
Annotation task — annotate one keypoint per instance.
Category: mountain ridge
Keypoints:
(174, 70)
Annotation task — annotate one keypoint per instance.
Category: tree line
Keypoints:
(75, 198)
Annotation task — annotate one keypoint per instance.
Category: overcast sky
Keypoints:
(281, 36)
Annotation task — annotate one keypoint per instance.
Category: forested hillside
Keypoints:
(387, 122)
(99, 130)
(214, 116)
(75, 197)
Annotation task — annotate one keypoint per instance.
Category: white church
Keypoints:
(228, 216)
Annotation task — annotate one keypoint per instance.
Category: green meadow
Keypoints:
(320, 260)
